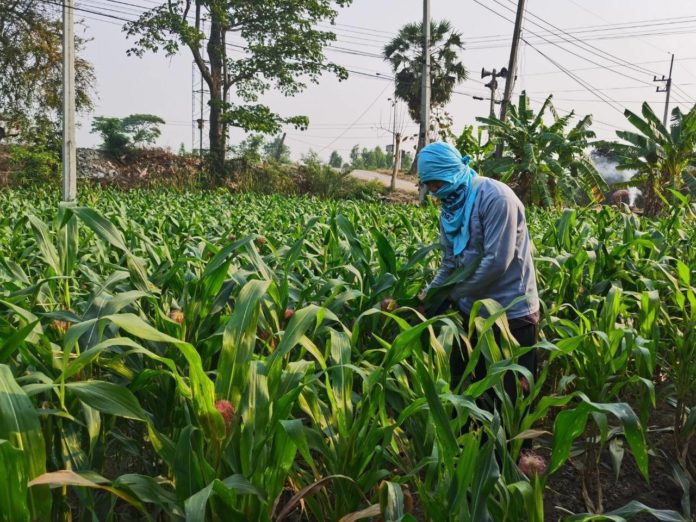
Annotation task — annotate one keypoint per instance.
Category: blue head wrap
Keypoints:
(441, 161)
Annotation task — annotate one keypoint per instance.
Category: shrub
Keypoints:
(33, 164)
(312, 178)
(122, 135)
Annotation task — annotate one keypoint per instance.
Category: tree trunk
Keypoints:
(523, 188)
(653, 202)
(217, 134)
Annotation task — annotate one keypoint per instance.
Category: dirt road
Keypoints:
(368, 175)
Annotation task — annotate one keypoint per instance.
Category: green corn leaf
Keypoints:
(238, 341)
(102, 227)
(440, 419)
(568, 426)
(202, 387)
(19, 425)
(387, 256)
(88, 480)
(191, 470)
(627, 512)
(196, 504)
(13, 488)
(108, 398)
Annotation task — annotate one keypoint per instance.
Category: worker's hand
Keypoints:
(422, 294)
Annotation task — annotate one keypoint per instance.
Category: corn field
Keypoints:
(207, 356)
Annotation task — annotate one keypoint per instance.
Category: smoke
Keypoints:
(633, 194)
(607, 169)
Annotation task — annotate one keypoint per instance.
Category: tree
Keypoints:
(356, 160)
(31, 65)
(379, 158)
(276, 150)
(543, 162)
(335, 160)
(406, 160)
(249, 149)
(405, 53)
(473, 146)
(660, 155)
(368, 158)
(121, 135)
(282, 49)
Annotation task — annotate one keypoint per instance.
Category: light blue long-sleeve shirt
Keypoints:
(498, 230)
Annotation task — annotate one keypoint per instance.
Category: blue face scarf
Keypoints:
(441, 161)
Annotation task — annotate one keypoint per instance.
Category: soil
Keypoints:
(564, 489)
(402, 174)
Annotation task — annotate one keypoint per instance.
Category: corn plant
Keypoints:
(208, 356)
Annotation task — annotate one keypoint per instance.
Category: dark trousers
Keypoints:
(525, 330)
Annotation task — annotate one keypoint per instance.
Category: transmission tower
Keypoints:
(200, 111)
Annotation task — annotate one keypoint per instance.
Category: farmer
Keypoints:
(482, 221)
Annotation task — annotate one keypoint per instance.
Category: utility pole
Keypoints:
(69, 149)
(394, 130)
(512, 65)
(511, 70)
(279, 149)
(397, 160)
(667, 89)
(396, 144)
(493, 85)
(423, 136)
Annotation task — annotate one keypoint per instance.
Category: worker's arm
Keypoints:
(499, 243)
(448, 265)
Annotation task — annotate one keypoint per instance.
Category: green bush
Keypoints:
(33, 164)
(313, 178)
(122, 135)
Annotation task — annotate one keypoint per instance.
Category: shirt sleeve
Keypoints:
(499, 242)
(448, 265)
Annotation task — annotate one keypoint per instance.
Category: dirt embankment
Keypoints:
(139, 168)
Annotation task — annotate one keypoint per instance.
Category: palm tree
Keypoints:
(543, 162)
(405, 53)
(661, 156)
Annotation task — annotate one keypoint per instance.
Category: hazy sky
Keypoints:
(343, 114)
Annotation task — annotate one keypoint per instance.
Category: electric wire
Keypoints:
(577, 79)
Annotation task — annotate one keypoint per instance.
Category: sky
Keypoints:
(604, 65)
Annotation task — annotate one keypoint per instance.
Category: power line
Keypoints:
(602, 53)
(357, 119)
(619, 36)
(583, 83)
(578, 80)
(585, 47)
(585, 30)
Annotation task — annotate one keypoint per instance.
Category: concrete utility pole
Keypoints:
(424, 135)
(493, 84)
(394, 101)
(279, 148)
(397, 160)
(512, 65)
(667, 89)
(69, 149)
(396, 144)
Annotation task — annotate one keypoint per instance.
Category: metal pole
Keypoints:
(669, 90)
(69, 149)
(512, 65)
(493, 85)
(394, 131)
(200, 124)
(423, 137)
